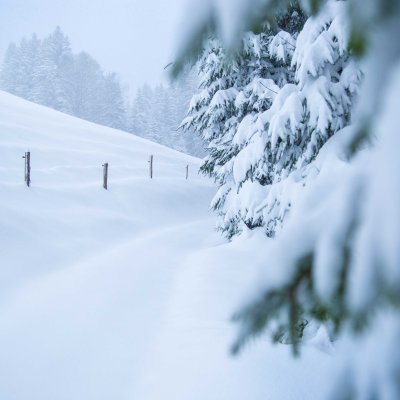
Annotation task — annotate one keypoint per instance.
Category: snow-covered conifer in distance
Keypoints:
(156, 113)
(17, 75)
(49, 73)
(9, 70)
(51, 76)
(111, 105)
(86, 79)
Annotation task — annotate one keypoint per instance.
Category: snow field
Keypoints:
(120, 294)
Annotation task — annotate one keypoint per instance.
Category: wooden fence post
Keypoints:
(187, 172)
(105, 175)
(151, 166)
(27, 158)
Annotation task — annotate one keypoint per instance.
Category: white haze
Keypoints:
(134, 38)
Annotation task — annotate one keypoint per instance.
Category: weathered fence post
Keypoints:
(27, 158)
(105, 175)
(187, 171)
(151, 166)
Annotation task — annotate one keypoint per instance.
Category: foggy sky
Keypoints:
(135, 38)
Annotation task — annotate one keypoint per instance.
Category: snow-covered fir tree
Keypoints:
(10, 72)
(111, 105)
(141, 113)
(20, 64)
(213, 115)
(86, 83)
(235, 92)
(303, 115)
(51, 77)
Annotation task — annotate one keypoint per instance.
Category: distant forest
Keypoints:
(47, 72)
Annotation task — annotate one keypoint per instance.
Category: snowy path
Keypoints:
(87, 329)
(125, 294)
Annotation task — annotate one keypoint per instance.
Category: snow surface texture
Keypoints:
(126, 293)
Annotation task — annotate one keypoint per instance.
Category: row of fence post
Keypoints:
(27, 158)
(105, 176)
(151, 166)
(27, 175)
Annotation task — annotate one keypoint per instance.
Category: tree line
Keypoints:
(47, 72)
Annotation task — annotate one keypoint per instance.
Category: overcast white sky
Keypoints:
(135, 38)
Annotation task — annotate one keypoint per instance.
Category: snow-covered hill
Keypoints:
(119, 294)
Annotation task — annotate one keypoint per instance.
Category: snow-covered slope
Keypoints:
(118, 294)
